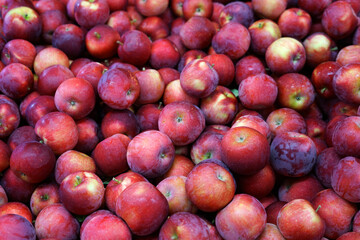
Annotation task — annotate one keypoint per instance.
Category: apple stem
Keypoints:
(120, 43)
(7, 55)
(97, 35)
(235, 92)
(334, 49)
(116, 180)
(133, 21)
(261, 25)
(44, 197)
(77, 181)
(143, 69)
(318, 208)
(160, 105)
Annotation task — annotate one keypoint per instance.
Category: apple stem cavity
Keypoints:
(44, 197)
(77, 181)
(97, 35)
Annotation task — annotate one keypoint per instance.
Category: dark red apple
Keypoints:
(43, 196)
(16, 80)
(89, 13)
(151, 7)
(238, 12)
(5, 154)
(345, 137)
(10, 116)
(89, 135)
(17, 208)
(69, 38)
(16, 227)
(18, 51)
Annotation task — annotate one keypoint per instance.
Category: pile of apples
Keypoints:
(180, 119)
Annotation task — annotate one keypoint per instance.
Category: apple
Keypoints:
(222, 184)
(151, 85)
(248, 66)
(70, 162)
(118, 88)
(243, 218)
(55, 221)
(349, 236)
(105, 223)
(82, 193)
(173, 188)
(314, 8)
(285, 55)
(18, 209)
(32, 161)
(143, 207)
(16, 80)
(16, 227)
(238, 12)
(51, 77)
(223, 66)
(120, 121)
(268, 8)
(344, 138)
(120, 21)
(293, 154)
(184, 225)
(245, 150)
(344, 85)
(22, 23)
(154, 27)
(331, 205)
(339, 20)
(181, 167)
(26, 101)
(151, 7)
(117, 185)
(44, 195)
(150, 153)
(186, 118)
(310, 226)
(188, 56)
(54, 18)
(38, 108)
(233, 40)
(169, 75)
(10, 116)
(48, 57)
(191, 8)
(295, 23)
(148, 116)
(348, 54)
(206, 146)
(322, 78)
(164, 54)
(20, 135)
(18, 51)
(70, 39)
(89, 13)
(271, 231)
(263, 32)
(5, 154)
(272, 211)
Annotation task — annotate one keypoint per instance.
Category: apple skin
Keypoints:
(3, 196)
(16, 208)
(285, 120)
(5, 154)
(268, 8)
(254, 122)
(238, 150)
(259, 184)
(173, 188)
(164, 54)
(118, 184)
(355, 223)
(110, 155)
(251, 98)
(340, 108)
(121, 121)
(148, 116)
(295, 91)
(60, 124)
(331, 127)
(197, 33)
(349, 236)
(16, 227)
(345, 85)
(69, 38)
(151, 7)
(26, 101)
(51, 77)
(206, 146)
(118, 88)
(223, 66)
(186, 118)
(91, 13)
(38, 108)
(263, 32)
(248, 66)
(339, 20)
(348, 54)
(325, 163)
(243, 218)
(10, 116)
(343, 179)
(322, 78)
(203, 8)
(143, 207)
(295, 23)
(151, 85)
(54, 18)
(238, 12)
(55, 221)
(72, 161)
(43, 196)
(106, 223)
(303, 187)
(18, 51)
(332, 205)
(309, 226)
(150, 153)
(82, 193)
(345, 137)
(17, 190)
(175, 93)
(184, 225)
(271, 231)
(233, 40)
(314, 8)
(180, 167)
(48, 57)
(120, 21)
(292, 154)
(169, 74)
(22, 23)
(32, 161)
(285, 55)
(189, 56)
(208, 174)
(198, 78)
(272, 211)
(16, 80)
(92, 73)
(101, 41)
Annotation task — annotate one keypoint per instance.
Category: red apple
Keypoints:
(207, 146)
(191, 8)
(248, 66)
(16, 208)
(16, 80)
(38, 108)
(120, 21)
(70, 39)
(345, 85)
(151, 7)
(322, 78)
(164, 54)
(315, 8)
(154, 27)
(345, 137)
(223, 66)
(295, 23)
(243, 218)
(89, 13)
(151, 86)
(3, 196)
(43, 196)
(238, 12)
(16, 227)
(148, 116)
(10, 116)
(348, 54)
(18, 51)
(51, 77)
(180, 167)
(48, 57)
(271, 231)
(269, 8)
